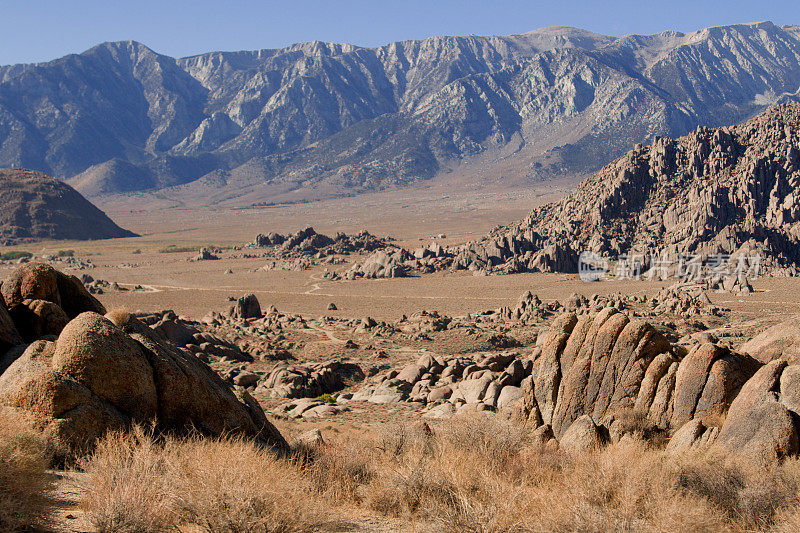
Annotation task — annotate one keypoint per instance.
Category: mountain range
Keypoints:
(321, 119)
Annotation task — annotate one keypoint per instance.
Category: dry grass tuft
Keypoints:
(336, 471)
(137, 484)
(25, 486)
(752, 497)
(119, 316)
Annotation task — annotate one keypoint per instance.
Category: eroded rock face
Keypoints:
(592, 365)
(596, 366)
(707, 381)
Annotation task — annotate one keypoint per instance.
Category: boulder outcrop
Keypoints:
(605, 364)
(86, 373)
(39, 281)
(761, 424)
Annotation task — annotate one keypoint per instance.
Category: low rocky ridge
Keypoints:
(86, 373)
(303, 249)
(36, 206)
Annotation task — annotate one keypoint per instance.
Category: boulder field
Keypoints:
(78, 372)
(595, 373)
(592, 372)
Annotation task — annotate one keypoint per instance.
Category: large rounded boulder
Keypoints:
(40, 281)
(100, 375)
(760, 427)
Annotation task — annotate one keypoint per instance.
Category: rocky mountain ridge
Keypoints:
(318, 119)
(727, 191)
(717, 199)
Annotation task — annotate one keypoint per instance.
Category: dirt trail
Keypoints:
(66, 514)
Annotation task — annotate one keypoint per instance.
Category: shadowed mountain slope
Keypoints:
(36, 206)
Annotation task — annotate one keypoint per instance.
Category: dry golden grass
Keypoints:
(119, 316)
(25, 486)
(135, 483)
(480, 474)
(469, 474)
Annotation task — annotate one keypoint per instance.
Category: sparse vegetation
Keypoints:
(65, 253)
(174, 248)
(501, 483)
(13, 255)
(136, 483)
(25, 486)
(326, 398)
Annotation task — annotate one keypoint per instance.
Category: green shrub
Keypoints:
(13, 255)
(173, 249)
(326, 398)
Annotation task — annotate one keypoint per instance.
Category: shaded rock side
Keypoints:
(37, 206)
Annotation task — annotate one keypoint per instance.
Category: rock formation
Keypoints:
(87, 374)
(306, 245)
(717, 204)
(36, 206)
(715, 191)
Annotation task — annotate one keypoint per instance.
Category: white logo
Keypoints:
(592, 267)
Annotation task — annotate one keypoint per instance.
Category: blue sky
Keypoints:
(40, 30)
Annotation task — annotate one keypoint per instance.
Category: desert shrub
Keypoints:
(750, 496)
(173, 249)
(25, 486)
(336, 471)
(119, 316)
(136, 483)
(137, 251)
(128, 487)
(638, 424)
(13, 255)
(65, 253)
(326, 398)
